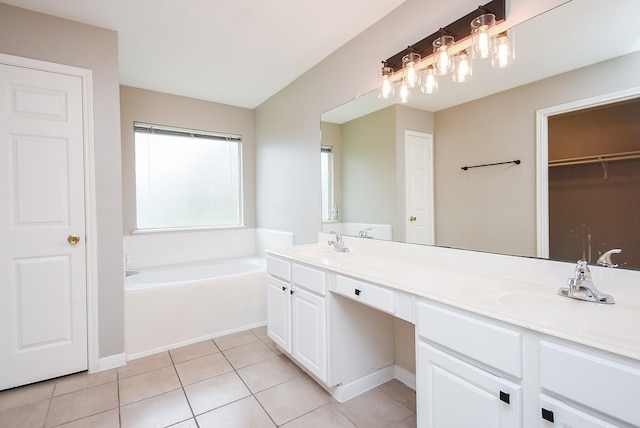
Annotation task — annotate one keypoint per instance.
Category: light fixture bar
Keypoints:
(459, 29)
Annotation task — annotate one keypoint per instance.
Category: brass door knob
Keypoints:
(73, 239)
(412, 218)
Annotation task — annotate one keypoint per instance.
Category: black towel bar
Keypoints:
(517, 162)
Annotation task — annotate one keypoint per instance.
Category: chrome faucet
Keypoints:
(338, 244)
(605, 259)
(363, 233)
(581, 286)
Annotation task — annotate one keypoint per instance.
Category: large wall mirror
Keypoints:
(560, 59)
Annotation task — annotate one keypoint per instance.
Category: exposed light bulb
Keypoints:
(404, 93)
(429, 82)
(409, 62)
(483, 42)
(503, 56)
(386, 87)
(385, 82)
(483, 36)
(441, 59)
(462, 67)
(411, 75)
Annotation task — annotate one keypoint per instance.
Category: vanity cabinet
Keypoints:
(462, 364)
(297, 313)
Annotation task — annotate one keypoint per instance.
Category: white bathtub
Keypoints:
(171, 306)
(192, 272)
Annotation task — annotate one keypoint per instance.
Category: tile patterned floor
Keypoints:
(239, 380)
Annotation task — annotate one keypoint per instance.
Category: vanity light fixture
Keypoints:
(479, 34)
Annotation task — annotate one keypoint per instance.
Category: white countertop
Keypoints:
(516, 300)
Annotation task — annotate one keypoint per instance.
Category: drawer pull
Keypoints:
(504, 397)
(358, 292)
(547, 415)
(291, 291)
(284, 288)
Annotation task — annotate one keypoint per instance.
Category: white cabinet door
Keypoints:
(279, 312)
(308, 322)
(452, 393)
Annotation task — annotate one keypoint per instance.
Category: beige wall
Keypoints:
(368, 168)
(139, 105)
(34, 35)
(494, 208)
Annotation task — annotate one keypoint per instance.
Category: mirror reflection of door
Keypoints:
(594, 183)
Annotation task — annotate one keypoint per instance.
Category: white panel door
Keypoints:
(419, 188)
(43, 309)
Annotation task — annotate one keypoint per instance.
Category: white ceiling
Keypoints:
(235, 52)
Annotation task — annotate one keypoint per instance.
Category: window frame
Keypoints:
(194, 133)
(330, 186)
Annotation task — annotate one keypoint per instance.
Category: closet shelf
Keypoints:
(596, 159)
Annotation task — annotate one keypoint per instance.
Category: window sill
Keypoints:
(187, 229)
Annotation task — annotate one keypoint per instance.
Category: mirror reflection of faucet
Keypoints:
(581, 286)
(338, 244)
(364, 233)
(605, 259)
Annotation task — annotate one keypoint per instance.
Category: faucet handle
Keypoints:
(605, 259)
(582, 271)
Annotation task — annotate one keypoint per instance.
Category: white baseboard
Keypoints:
(110, 362)
(405, 376)
(191, 341)
(364, 384)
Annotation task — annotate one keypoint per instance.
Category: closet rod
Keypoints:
(517, 162)
(595, 159)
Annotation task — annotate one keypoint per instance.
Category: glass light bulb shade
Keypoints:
(409, 67)
(385, 83)
(404, 95)
(504, 54)
(483, 38)
(429, 81)
(462, 70)
(441, 59)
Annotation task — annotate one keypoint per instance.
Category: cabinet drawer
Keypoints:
(279, 268)
(496, 346)
(554, 413)
(312, 279)
(605, 385)
(369, 294)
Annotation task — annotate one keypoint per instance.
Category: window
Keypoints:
(326, 162)
(186, 178)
